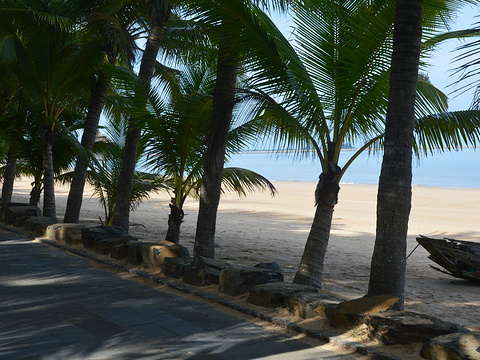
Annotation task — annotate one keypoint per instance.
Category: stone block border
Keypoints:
(110, 240)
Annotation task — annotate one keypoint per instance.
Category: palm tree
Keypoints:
(208, 13)
(241, 28)
(388, 266)
(175, 139)
(159, 13)
(10, 114)
(105, 171)
(109, 27)
(52, 68)
(335, 93)
(387, 271)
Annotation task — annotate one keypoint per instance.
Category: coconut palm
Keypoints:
(337, 94)
(388, 266)
(387, 272)
(10, 115)
(105, 172)
(113, 28)
(51, 67)
(175, 139)
(158, 14)
(242, 36)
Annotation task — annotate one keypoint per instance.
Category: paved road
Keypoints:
(54, 305)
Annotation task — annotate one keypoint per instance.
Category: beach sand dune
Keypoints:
(260, 228)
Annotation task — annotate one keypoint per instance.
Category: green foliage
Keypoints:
(105, 173)
(335, 86)
(175, 138)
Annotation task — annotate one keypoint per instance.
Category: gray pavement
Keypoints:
(55, 305)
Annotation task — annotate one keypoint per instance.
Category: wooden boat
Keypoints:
(459, 258)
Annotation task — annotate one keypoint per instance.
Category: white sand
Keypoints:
(263, 229)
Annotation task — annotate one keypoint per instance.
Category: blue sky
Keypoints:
(440, 72)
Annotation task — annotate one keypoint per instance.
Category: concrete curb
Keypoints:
(284, 323)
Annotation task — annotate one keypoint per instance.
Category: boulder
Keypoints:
(455, 346)
(58, 231)
(134, 249)
(4, 206)
(120, 251)
(353, 312)
(175, 267)
(154, 254)
(38, 225)
(200, 261)
(13, 212)
(204, 271)
(269, 266)
(235, 281)
(104, 246)
(20, 221)
(72, 235)
(404, 327)
(310, 304)
(276, 294)
(92, 234)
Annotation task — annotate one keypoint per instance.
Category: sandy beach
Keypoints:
(260, 228)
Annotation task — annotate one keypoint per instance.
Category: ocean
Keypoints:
(454, 169)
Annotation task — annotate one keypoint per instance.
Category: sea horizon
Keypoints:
(451, 169)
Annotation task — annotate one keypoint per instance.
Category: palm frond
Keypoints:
(447, 131)
(240, 181)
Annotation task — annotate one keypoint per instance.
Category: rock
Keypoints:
(276, 294)
(455, 346)
(38, 225)
(351, 313)
(269, 266)
(195, 276)
(310, 304)
(58, 231)
(120, 251)
(20, 221)
(72, 236)
(104, 246)
(235, 281)
(404, 327)
(201, 261)
(204, 271)
(4, 206)
(154, 254)
(13, 212)
(134, 249)
(92, 234)
(175, 267)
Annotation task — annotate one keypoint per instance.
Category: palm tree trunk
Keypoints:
(49, 209)
(387, 274)
(75, 195)
(175, 220)
(310, 270)
(36, 191)
(9, 175)
(220, 119)
(129, 159)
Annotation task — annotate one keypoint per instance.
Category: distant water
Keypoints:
(455, 169)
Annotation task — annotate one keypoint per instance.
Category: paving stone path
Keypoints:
(54, 305)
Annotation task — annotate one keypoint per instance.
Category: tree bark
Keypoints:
(9, 175)
(387, 274)
(129, 159)
(175, 220)
(49, 209)
(75, 195)
(36, 191)
(310, 270)
(213, 163)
